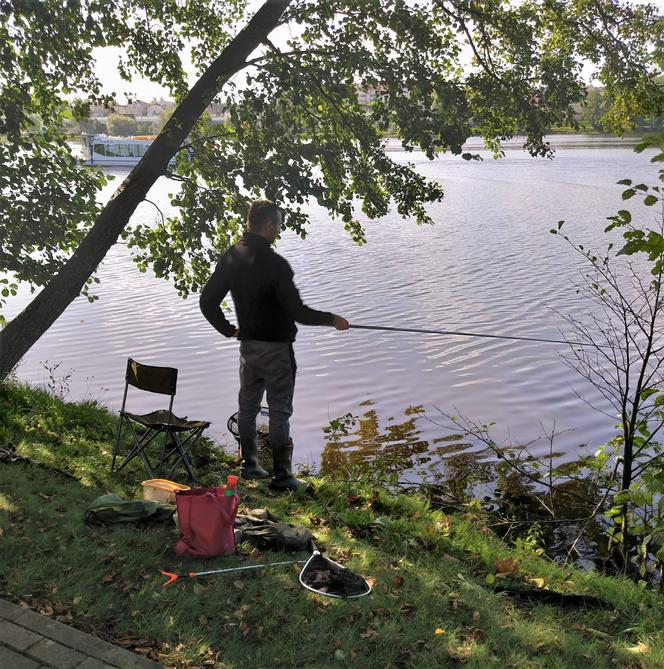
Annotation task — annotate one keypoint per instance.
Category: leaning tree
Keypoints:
(289, 73)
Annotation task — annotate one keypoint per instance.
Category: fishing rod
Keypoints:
(457, 333)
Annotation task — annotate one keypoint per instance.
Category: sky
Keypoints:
(107, 60)
(107, 68)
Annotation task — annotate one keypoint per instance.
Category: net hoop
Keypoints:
(232, 425)
(317, 555)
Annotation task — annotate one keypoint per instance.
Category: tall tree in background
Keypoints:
(120, 124)
(441, 69)
(594, 108)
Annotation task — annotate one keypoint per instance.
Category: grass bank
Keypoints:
(431, 605)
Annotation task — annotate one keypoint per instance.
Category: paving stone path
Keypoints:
(29, 640)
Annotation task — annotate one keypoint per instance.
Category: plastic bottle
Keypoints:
(231, 485)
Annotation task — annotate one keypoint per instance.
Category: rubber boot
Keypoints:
(250, 467)
(282, 457)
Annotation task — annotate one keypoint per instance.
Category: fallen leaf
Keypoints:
(203, 620)
(507, 567)
(199, 589)
(371, 581)
(125, 642)
(239, 585)
(590, 630)
(143, 641)
(439, 631)
(77, 600)
(109, 578)
(244, 628)
(406, 609)
(368, 632)
(2, 532)
(476, 615)
(46, 610)
(397, 581)
(474, 635)
(239, 614)
(539, 582)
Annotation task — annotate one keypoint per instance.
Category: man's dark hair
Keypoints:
(260, 213)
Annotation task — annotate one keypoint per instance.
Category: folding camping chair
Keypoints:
(179, 434)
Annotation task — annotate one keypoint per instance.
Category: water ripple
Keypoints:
(488, 265)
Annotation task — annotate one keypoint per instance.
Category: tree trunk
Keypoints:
(627, 542)
(23, 331)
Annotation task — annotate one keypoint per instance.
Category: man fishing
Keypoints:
(267, 304)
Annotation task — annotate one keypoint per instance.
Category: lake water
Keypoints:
(488, 265)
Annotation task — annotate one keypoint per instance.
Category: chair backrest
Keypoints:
(161, 380)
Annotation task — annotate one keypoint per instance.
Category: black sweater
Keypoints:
(267, 303)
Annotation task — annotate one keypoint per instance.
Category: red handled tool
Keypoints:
(174, 577)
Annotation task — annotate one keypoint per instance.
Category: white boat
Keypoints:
(104, 150)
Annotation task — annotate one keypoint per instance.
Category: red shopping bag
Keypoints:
(206, 518)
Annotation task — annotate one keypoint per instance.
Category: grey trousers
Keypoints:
(266, 366)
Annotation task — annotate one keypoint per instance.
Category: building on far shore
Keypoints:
(147, 114)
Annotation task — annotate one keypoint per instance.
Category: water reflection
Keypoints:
(457, 467)
(397, 447)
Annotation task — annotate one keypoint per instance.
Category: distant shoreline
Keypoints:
(560, 140)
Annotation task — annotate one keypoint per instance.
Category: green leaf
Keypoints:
(650, 200)
(627, 194)
(648, 392)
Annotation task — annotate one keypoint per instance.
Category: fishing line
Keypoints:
(457, 333)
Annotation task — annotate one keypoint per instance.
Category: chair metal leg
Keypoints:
(140, 444)
(183, 449)
(117, 441)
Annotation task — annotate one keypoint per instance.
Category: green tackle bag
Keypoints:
(111, 510)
